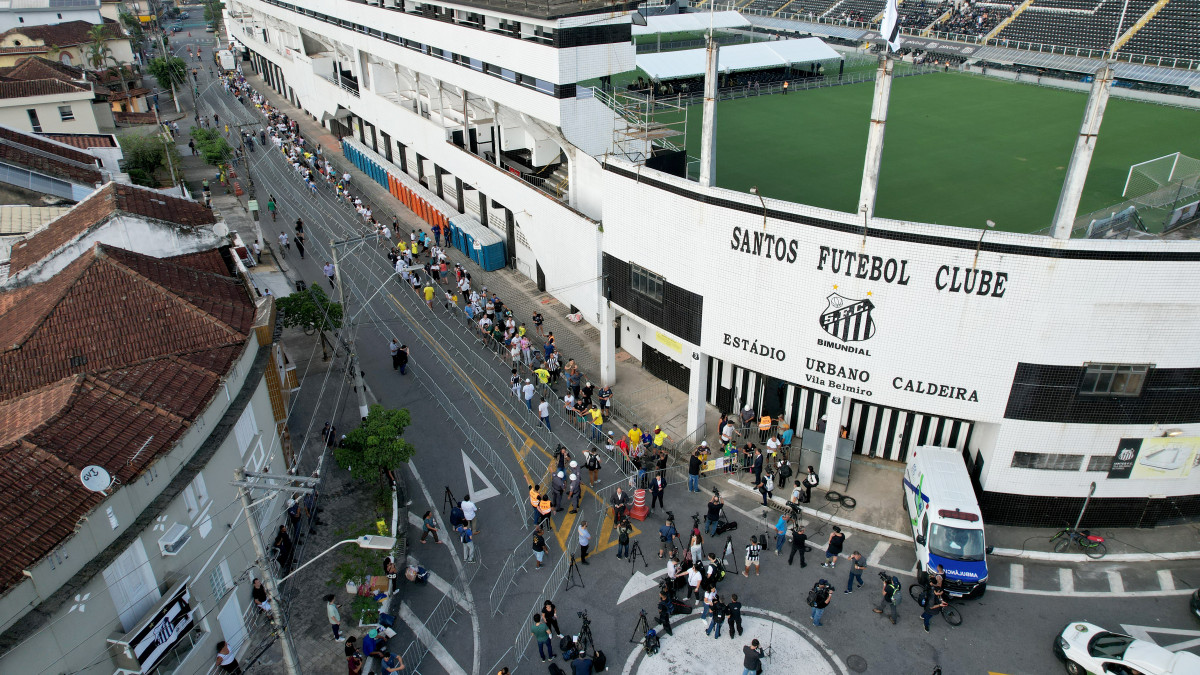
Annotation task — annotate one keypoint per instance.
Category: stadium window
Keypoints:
(1113, 379)
(1046, 461)
(1100, 463)
(646, 283)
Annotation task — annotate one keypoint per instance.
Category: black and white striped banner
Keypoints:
(158, 636)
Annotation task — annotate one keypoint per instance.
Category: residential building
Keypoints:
(66, 42)
(19, 13)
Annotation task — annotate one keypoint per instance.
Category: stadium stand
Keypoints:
(812, 8)
(919, 15)
(1174, 32)
(857, 10)
(978, 18)
(1073, 23)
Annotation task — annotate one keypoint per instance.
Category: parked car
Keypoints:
(210, 28)
(185, 15)
(176, 28)
(1087, 648)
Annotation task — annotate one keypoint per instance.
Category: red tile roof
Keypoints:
(113, 198)
(46, 87)
(84, 140)
(39, 143)
(107, 363)
(50, 166)
(65, 34)
(134, 117)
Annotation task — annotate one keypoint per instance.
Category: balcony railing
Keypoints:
(347, 84)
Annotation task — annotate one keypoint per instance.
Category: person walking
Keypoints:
(539, 546)
(528, 391)
(544, 413)
(329, 273)
(822, 595)
(394, 350)
(780, 534)
(752, 659)
(833, 548)
(300, 245)
(468, 541)
(585, 540)
(284, 245)
(470, 513)
(752, 551)
(335, 617)
(890, 599)
(709, 595)
(429, 526)
(402, 359)
(799, 545)
(857, 566)
(541, 633)
(657, 487)
(591, 460)
(733, 609)
(574, 492)
(620, 502)
(550, 616)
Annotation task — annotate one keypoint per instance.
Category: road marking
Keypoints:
(1143, 633)
(1016, 575)
(1066, 580)
(1115, 583)
(443, 586)
(477, 495)
(431, 643)
(640, 583)
(877, 553)
(1165, 580)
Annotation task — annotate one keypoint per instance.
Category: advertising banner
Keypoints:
(1155, 458)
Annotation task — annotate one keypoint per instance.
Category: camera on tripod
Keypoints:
(583, 617)
(671, 516)
(883, 576)
(716, 492)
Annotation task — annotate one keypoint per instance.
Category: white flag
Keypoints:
(890, 28)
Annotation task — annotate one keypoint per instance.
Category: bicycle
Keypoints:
(1092, 545)
(950, 613)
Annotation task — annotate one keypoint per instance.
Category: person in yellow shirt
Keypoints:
(402, 247)
(660, 437)
(635, 436)
(543, 375)
(429, 295)
(597, 422)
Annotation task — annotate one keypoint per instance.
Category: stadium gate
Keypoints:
(877, 431)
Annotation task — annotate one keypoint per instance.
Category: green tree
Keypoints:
(212, 145)
(311, 311)
(100, 56)
(377, 444)
(146, 154)
(171, 72)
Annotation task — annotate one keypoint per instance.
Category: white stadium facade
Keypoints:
(1050, 363)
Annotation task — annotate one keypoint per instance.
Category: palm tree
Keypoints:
(100, 56)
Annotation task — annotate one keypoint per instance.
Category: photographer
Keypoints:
(666, 534)
(665, 607)
(819, 598)
(713, 517)
(891, 596)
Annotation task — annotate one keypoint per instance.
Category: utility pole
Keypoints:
(168, 136)
(276, 484)
(359, 387)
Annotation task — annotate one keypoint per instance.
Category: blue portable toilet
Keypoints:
(482, 245)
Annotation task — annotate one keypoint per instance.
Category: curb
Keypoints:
(1043, 556)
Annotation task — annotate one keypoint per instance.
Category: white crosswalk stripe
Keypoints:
(431, 643)
(1017, 574)
(1165, 580)
(1115, 583)
(1066, 580)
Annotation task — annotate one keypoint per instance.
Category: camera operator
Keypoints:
(665, 607)
(819, 598)
(713, 517)
(799, 543)
(891, 589)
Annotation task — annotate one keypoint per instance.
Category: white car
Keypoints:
(1088, 648)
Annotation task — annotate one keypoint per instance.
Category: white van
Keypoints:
(947, 525)
(226, 60)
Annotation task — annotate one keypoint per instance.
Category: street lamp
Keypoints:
(990, 224)
(1172, 433)
(370, 541)
(754, 191)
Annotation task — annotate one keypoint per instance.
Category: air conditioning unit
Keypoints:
(175, 538)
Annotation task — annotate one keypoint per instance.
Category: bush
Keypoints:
(212, 146)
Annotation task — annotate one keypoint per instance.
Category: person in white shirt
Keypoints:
(544, 413)
(528, 390)
(469, 511)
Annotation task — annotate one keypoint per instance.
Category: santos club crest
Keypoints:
(848, 320)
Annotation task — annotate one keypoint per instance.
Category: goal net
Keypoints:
(1160, 181)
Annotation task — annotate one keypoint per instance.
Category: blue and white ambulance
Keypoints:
(947, 525)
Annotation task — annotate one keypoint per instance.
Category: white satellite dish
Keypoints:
(95, 478)
(220, 229)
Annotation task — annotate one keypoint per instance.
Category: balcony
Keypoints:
(345, 83)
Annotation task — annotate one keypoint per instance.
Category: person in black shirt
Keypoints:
(694, 472)
(734, 609)
(799, 544)
(754, 656)
(713, 516)
(664, 612)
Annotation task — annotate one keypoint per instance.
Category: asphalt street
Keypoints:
(452, 387)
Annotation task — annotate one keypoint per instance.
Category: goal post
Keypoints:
(1159, 170)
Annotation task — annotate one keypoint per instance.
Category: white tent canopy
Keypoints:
(678, 23)
(736, 58)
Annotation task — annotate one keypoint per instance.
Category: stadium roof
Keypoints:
(736, 58)
(679, 23)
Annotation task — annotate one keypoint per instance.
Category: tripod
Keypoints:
(574, 578)
(585, 640)
(635, 552)
(448, 500)
(730, 551)
(642, 627)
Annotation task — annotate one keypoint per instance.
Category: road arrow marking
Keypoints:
(470, 469)
(1143, 633)
(639, 583)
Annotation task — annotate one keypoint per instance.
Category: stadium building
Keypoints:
(1051, 363)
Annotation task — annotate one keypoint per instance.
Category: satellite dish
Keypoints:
(95, 478)
(220, 229)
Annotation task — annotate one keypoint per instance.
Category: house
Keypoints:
(131, 388)
(37, 167)
(68, 42)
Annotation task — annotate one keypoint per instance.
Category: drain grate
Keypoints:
(856, 663)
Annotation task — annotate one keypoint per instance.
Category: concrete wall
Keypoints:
(35, 17)
(73, 639)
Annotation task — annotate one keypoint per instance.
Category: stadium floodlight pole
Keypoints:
(754, 191)
(708, 132)
(1081, 158)
(879, 106)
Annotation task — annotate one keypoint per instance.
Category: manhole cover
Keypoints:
(856, 663)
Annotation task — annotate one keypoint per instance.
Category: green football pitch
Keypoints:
(960, 149)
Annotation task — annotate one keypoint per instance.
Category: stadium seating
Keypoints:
(857, 10)
(1174, 32)
(805, 8)
(1073, 23)
(916, 15)
(978, 18)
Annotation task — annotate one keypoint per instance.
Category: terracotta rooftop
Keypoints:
(39, 143)
(107, 363)
(46, 87)
(65, 34)
(84, 140)
(109, 200)
(50, 166)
